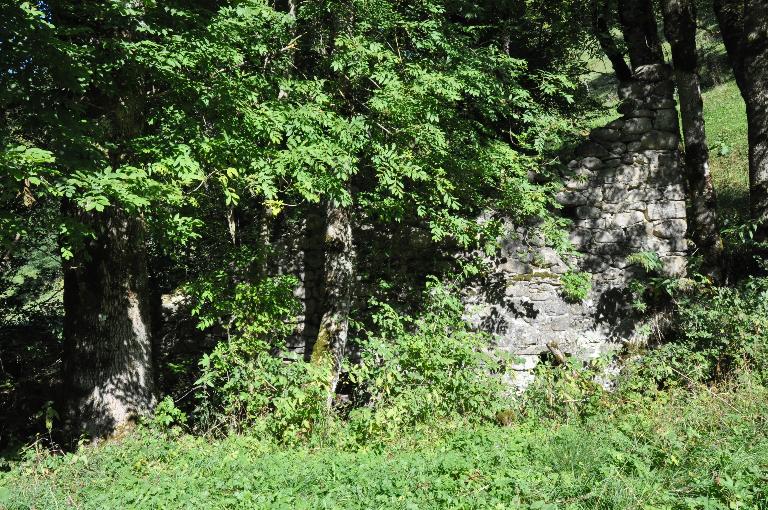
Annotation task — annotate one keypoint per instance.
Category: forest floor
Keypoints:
(702, 449)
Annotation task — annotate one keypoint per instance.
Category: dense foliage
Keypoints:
(200, 199)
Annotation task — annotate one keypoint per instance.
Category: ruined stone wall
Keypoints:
(625, 194)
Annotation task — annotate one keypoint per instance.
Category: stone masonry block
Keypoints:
(666, 120)
(638, 126)
(659, 140)
(668, 229)
(666, 210)
(605, 135)
(592, 149)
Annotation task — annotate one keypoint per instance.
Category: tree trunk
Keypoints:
(730, 18)
(108, 360)
(602, 28)
(755, 66)
(331, 340)
(640, 32)
(744, 27)
(680, 29)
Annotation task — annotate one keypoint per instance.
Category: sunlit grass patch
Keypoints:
(726, 124)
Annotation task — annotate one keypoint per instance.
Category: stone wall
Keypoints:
(625, 194)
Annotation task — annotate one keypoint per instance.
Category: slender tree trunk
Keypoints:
(744, 27)
(108, 343)
(640, 32)
(602, 28)
(730, 18)
(755, 66)
(331, 340)
(680, 29)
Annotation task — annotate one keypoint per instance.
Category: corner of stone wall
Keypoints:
(625, 194)
(627, 187)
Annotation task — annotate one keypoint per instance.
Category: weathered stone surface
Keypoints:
(591, 163)
(609, 236)
(659, 140)
(547, 257)
(592, 149)
(626, 219)
(630, 138)
(617, 149)
(666, 120)
(580, 236)
(571, 198)
(631, 175)
(594, 223)
(653, 72)
(664, 89)
(635, 90)
(638, 113)
(666, 210)
(637, 126)
(657, 104)
(625, 194)
(516, 266)
(588, 212)
(577, 184)
(668, 229)
(672, 192)
(674, 266)
(605, 135)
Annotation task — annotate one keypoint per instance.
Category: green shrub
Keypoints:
(653, 290)
(245, 381)
(570, 390)
(719, 333)
(167, 416)
(576, 286)
(426, 369)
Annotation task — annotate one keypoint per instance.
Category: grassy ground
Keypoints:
(701, 450)
(726, 123)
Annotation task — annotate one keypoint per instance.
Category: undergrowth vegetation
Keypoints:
(681, 449)
(431, 425)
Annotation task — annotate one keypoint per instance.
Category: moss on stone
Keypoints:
(322, 347)
(532, 276)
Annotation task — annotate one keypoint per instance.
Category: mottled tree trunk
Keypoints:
(108, 362)
(756, 87)
(730, 18)
(744, 27)
(339, 276)
(640, 32)
(680, 29)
